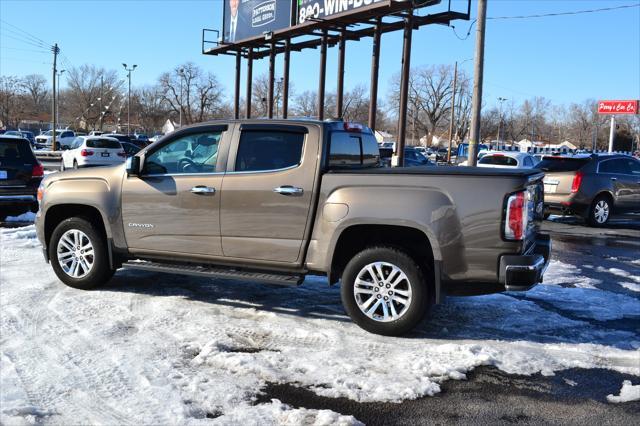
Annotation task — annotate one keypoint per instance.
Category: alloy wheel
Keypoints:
(382, 291)
(75, 253)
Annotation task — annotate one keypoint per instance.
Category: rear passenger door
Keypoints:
(267, 192)
(622, 182)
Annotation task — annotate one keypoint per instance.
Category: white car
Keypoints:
(508, 159)
(63, 137)
(88, 151)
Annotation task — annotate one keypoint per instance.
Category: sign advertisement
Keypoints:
(325, 9)
(618, 107)
(244, 19)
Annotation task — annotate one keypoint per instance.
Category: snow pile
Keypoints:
(628, 393)
(24, 217)
(560, 273)
(620, 273)
(631, 286)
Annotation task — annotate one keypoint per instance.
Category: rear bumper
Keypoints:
(522, 272)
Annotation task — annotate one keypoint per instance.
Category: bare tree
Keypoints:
(88, 87)
(201, 96)
(37, 92)
(12, 106)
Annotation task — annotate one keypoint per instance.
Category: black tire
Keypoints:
(417, 308)
(100, 272)
(75, 164)
(600, 203)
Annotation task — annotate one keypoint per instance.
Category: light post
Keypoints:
(181, 72)
(501, 100)
(58, 98)
(453, 108)
(129, 70)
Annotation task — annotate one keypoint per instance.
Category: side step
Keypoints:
(215, 272)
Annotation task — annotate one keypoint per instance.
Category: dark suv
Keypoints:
(20, 176)
(591, 186)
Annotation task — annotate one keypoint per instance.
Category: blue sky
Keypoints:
(565, 59)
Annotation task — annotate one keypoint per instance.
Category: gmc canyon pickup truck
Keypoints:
(276, 200)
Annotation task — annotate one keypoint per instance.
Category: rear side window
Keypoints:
(562, 164)
(353, 149)
(18, 150)
(634, 166)
(498, 160)
(103, 143)
(261, 150)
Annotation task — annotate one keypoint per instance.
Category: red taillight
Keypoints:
(517, 216)
(37, 171)
(353, 127)
(86, 153)
(577, 180)
(122, 154)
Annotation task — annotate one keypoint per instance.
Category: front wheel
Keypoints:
(78, 254)
(384, 291)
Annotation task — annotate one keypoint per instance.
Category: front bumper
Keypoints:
(522, 272)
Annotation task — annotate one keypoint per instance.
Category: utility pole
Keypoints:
(55, 49)
(453, 113)
(477, 83)
(129, 70)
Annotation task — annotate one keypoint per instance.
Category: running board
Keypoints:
(215, 272)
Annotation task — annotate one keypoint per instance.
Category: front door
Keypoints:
(173, 206)
(267, 192)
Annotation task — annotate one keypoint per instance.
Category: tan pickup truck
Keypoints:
(276, 200)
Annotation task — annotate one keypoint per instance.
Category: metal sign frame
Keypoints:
(371, 20)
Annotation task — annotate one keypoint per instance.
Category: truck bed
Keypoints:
(440, 171)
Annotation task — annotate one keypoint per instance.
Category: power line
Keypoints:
(25, 50)
(36, 39)
(23, 40)
(544, 15)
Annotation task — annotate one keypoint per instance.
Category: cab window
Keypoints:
(196, 153)
(261, 150)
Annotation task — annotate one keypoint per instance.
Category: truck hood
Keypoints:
(106, 173)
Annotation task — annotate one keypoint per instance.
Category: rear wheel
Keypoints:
(600, 211)
(384, 291)
(78, 254)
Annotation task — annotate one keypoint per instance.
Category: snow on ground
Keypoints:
(628, 393)
(167, 349)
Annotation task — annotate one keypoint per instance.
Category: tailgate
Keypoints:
(558, 182)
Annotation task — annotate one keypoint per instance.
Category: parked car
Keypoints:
(96, 133)
(290, 198)
(64, 138)
(507, 159)
(412, 157)
(128, 138)
(88, 151)
(22, 134)
(141, 137)
(20, 176)
(130, 149)
(591, 186)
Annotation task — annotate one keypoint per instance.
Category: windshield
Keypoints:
(561, 164)
(50, 132)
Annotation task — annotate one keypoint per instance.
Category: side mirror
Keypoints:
(133, 166)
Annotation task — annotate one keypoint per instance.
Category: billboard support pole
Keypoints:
(322, 73)
(236, 98)
(375, 65)
(404, 88)
(340, 89)
(476, 102)
(272, 64)
(249, 81)
(285, 79)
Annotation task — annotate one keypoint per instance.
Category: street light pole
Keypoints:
(129, 70)
(58, 97)
(181, 72)
(501, 100)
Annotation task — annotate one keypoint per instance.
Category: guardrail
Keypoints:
(50, 160)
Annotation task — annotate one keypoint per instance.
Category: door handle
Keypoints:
(289, 190)
(203, 190)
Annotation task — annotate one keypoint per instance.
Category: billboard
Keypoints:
(244, 19)
(325, 9)
(618, 107)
